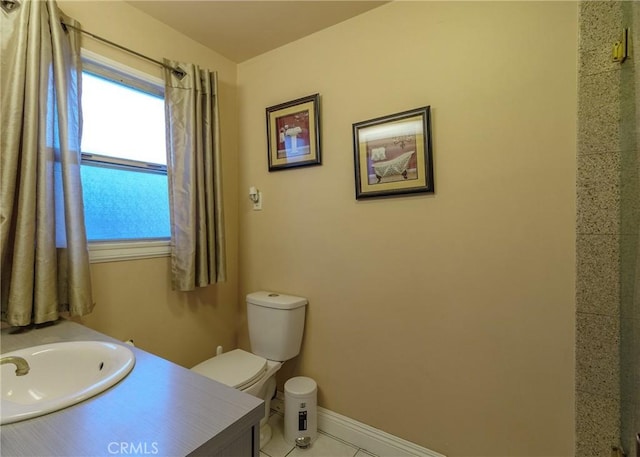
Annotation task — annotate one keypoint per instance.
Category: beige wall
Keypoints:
(447, 320)
(134, 298)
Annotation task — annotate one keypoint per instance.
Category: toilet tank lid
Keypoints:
(275, 300)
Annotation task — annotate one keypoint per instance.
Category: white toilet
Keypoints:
(276, 323)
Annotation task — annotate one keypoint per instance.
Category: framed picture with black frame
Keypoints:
(393, 154)
(293, 133)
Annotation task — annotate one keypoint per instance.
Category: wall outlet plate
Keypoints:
(257, 205)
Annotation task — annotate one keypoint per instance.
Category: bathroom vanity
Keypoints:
(159, 409)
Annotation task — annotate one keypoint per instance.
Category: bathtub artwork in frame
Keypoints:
(293, 133)
(393, 154)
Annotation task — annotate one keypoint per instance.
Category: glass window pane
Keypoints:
(124, 204)
(122, 122)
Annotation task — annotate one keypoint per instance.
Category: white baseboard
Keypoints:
(366, 437)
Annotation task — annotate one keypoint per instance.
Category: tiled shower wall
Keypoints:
(630, 240)
(608, 196)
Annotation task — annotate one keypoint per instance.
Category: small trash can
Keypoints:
(300, 411)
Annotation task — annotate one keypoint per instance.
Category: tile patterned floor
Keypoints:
(324, 446)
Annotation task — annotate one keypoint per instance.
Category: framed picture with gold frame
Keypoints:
(293, 133)
(393, 154)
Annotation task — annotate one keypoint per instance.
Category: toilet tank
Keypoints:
(276, 323)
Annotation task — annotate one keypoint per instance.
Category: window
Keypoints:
(124, 172)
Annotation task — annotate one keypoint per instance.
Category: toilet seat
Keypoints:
(236, 368)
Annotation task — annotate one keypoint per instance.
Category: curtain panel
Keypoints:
(198, 255)
(45, 261)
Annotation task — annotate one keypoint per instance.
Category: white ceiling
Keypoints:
(242, 29)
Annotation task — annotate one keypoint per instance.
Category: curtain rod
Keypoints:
(178, 72)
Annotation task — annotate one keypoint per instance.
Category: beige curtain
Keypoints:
(195, 180)
(45, 265)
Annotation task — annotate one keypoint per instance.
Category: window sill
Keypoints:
(115, 251)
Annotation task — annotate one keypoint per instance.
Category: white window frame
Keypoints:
(114, 251)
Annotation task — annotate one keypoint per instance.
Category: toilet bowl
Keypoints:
(249, 373)
(276, 325)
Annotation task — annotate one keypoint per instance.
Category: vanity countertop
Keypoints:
(159, 409)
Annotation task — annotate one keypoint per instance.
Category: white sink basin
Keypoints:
(60, 375)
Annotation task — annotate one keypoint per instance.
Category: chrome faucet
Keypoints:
(22, 367)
